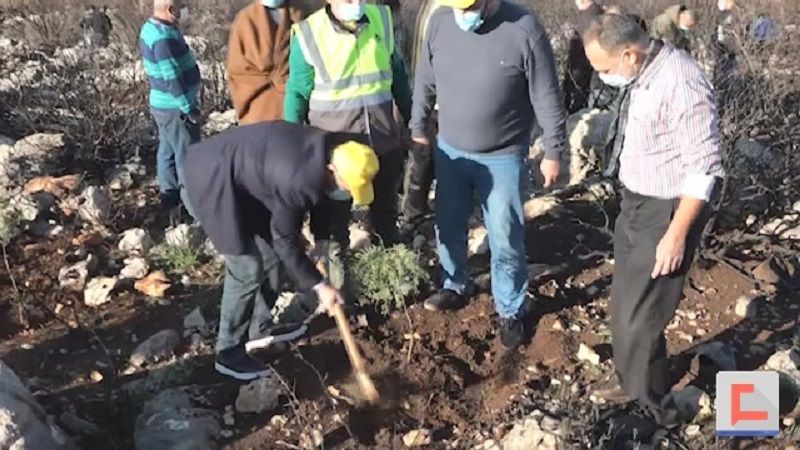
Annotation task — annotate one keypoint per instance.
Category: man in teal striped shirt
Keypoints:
(174, 85)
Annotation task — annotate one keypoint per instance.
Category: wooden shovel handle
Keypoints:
(349, 342)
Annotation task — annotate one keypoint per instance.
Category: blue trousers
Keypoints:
(175, 134)
(497, 181)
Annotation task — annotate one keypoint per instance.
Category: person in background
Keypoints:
(674, 26)
(87, 27)
(490, 66)
(578, 74)
(763, 29)
(102, 25)
(616, 8)
(419, 173)
(726, 48)
(251, 188)
(258, 58)
(175, 82)
(345, 75)
(667, 125)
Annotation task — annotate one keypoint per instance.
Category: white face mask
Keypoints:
(273, 3)
(683, 27)
(615, 79)
(184, 15)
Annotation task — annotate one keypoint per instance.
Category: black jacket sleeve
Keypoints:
(286, 226)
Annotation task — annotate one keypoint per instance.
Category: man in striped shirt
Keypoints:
(668, 150)
(174, 85)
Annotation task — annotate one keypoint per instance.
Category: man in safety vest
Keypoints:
(419, 169)
(345, 75)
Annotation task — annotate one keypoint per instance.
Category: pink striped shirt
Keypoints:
(672, 141)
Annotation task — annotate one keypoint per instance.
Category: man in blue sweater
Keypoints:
(490, 66)
(174, 85)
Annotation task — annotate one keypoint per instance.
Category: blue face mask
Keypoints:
(349, 12)
(273, 3)
(469, 20)
(341, 195)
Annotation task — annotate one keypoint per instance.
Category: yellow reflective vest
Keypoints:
(352, 69)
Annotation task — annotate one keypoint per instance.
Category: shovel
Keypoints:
(363, 379)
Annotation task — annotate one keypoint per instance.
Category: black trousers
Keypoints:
(641, 307)
(417, 183)
(418, 179)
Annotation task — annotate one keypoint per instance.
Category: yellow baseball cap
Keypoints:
(459, 4)
(356, 164)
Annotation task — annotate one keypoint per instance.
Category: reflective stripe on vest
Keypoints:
(350, 71)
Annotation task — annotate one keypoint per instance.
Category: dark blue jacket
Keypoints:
(262, 179)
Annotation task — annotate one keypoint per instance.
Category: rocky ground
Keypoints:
(108, 310)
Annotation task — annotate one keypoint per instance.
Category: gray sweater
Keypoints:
(491, 85)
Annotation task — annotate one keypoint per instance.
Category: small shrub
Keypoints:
(9, 222)
(388, 276)
(178, 258)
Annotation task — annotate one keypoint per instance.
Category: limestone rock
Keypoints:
(525, 435)
(184, 235)
(135, 268)
(98, 290)
(478, 241)
(119, 179)
(417, 438)
(585, 353)
(194, 320)
(786, 361)
(587, 131)
(745, 307)
(156, 348)
(24, 425)
(73, 277)
(30, 206)
(96, 206)
(766, 272)
(692, 430)
(124, 176)
(259, 395)
(786, 227)
(136, 241)
(218, 122)
(540, 206)
(359, 238)
(294, 307)
(171, 421)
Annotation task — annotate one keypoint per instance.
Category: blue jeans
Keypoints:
(175, 134)
(497, 180)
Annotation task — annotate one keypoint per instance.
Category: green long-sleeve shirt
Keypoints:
(301, 85)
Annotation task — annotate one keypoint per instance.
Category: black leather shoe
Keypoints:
(445, 300)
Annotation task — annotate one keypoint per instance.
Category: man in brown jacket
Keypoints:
(258, 57)
(673, 26)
